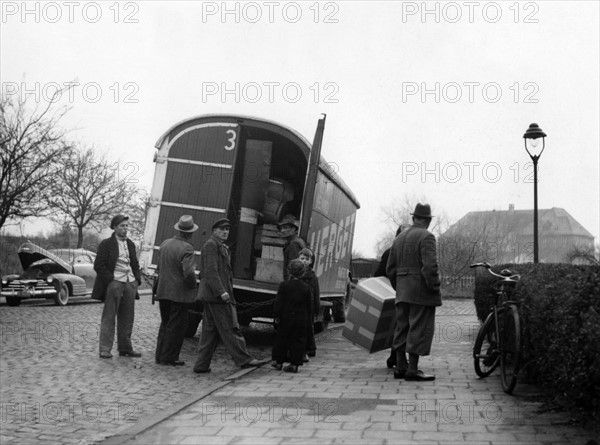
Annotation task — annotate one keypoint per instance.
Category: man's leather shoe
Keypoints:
(173, 363)
(202, 371)
(399, 373)
(130, 354)
(105, 355)
(418, 376)
(291, 368)
(254, 363)
(277, 366)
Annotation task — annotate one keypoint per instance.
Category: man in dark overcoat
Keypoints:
(216, 292)
(117, 280)
(413, 265)
(176, 291)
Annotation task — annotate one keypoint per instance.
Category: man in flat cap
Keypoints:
(176, 291)
(412, 265)
(293, 243)
(117, 281)
(216, 292)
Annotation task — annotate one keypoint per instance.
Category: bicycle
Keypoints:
(500, 335)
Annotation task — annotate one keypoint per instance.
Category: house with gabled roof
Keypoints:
(506, 236)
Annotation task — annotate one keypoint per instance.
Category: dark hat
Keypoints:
(186, 224)
(296, 268)
(117, 220)
(289, 220)
(422, 211)
(221, 223)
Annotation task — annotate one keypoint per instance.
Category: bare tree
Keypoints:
(31, 147)
(88, 192)
(460, 246)
(583, 255)
(137, 210)
(478, 236)
(398, 212)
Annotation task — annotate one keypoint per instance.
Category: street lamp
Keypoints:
(532, 145)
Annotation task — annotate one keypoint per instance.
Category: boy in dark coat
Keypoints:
(292, 308)
(310, 278)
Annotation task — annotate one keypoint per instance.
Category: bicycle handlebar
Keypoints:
(510, 279)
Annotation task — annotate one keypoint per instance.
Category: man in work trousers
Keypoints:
(216, 292)
(413, 265)
(117, 280)
(176, 291)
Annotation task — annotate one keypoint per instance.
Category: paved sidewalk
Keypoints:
(345, 395)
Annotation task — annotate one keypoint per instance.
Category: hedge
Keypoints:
(560, 318)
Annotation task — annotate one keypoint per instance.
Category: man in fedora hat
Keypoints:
(293, 245)
(117, 279)
(216, 292)
(176, 291)
(412, 264)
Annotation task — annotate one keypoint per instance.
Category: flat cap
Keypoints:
(223, 222)
(117, 220)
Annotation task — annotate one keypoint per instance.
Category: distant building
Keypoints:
(507, 236)
(363, 267)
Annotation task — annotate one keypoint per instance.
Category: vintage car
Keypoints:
(57, 274)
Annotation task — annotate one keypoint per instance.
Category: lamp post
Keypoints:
(532, 143)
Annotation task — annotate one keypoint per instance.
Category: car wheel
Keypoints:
(62, 297)
(13, 301)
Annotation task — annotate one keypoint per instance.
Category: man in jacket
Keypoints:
(117, 280)
(293, 245)
(176, 291)
(413, 265)
(216, 292)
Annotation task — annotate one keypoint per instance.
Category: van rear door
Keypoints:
(194, 176)
(311, 178)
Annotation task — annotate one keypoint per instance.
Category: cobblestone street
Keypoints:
(54, 388)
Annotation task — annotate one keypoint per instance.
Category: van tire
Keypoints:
(321, 326)
(338, 312)
(13, 301)
(194, 319)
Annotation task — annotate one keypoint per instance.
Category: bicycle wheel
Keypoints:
(485, 350)
(510, 348)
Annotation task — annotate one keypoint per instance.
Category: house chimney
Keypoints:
(511, 207)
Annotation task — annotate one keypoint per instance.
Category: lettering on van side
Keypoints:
(331, 243)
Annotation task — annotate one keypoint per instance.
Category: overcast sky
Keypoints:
(422, 99)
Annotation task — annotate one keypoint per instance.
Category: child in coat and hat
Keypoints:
(292, 308)
(308, 258)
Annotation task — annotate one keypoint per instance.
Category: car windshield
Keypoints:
(64, 254)
(74, 255)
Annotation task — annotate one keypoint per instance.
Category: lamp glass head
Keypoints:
(534, 140)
